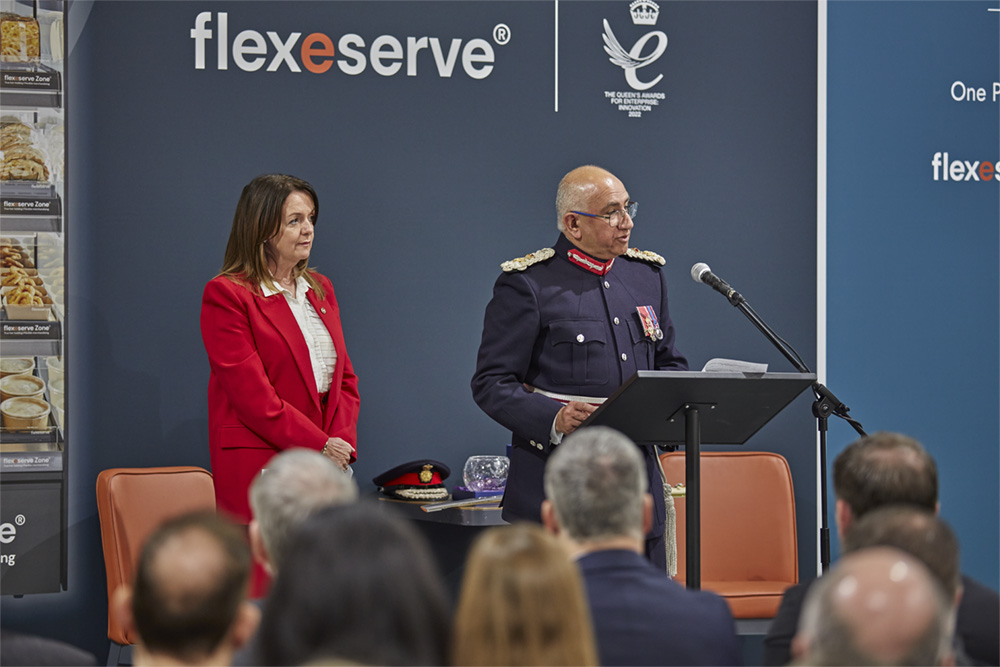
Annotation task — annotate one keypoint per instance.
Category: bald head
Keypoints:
(185, 564)
(878, 606)
(190, 583)
(585, 198)
(577, 187)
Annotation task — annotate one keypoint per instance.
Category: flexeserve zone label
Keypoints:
(316, 53)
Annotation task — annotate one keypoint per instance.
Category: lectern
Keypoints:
(689, 408)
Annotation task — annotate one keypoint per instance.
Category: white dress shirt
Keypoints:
(321, 351)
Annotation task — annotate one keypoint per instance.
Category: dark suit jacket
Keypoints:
(977, 629)
(262, 394)
(20, 649)
(561, 328)
(642, 617)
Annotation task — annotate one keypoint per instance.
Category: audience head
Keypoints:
(296, 483)
(916, 531)
(595, 485)
(878, 606)
(357, 584)
(882, 469)
(522, 602)
(188, 602)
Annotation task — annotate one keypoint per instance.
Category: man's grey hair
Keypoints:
(596, 481)
(832, 638)
(295, 484)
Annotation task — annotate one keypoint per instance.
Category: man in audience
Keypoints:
(296, 483)
(917, 532)
(878, 606)
(597, 500)
(877, 471)
(18, 648)
(188, 604)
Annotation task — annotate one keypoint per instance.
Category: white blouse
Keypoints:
(321, 351)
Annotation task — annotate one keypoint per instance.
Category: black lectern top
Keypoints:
(649, 407)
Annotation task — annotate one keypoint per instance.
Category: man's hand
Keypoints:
(571, 415)
(339, 451)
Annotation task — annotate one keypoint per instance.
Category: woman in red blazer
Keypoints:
(280, 374)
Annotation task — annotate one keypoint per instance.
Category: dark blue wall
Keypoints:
(426, 185)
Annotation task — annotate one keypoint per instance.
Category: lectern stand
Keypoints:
(689, 408)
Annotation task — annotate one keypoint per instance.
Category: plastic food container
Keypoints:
(16, 366)
(25, 412)
(21, 386)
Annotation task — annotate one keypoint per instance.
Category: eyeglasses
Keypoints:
(615, 218)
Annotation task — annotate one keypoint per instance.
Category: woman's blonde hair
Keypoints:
(256, 221)
(522, 603)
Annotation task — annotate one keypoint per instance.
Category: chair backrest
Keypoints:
(131, 504)
(747, 517)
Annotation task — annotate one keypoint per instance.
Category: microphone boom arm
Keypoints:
(824, 405)
(835, 406)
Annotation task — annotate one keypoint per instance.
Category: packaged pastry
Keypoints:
(22, 161)
(15, 276)
(26, 294)
(14, 133)
(21, 169)
(15, 258)
(19, 38)
(23, 152)
(11, 139)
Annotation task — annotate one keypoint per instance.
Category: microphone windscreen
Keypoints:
(698, 270)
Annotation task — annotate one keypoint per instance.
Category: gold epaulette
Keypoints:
(646, 256)
(521, 263)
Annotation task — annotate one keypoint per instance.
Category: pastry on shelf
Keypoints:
(19, 38)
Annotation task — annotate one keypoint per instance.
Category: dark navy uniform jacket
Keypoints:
(561, 328)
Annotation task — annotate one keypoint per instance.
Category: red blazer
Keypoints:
(262, 395)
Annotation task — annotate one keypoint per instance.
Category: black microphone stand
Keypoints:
(826, 404)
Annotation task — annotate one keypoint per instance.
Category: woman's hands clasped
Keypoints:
(339, 451)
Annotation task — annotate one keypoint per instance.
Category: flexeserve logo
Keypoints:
(946, 168)
(636, 61)
(316, 52)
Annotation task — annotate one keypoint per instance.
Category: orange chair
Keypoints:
(749, 553)
(131, 504)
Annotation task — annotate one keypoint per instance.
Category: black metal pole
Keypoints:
(692, 474)
(824, 525)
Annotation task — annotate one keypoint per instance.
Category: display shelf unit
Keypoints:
(34, 447)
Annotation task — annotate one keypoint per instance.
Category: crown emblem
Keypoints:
(644, 12)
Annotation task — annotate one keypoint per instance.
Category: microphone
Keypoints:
(701, 273)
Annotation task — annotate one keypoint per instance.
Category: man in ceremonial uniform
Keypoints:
(566, 326)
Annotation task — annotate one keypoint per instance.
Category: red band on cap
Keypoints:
(413, 479)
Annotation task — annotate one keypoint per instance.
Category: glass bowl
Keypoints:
(486, 473)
